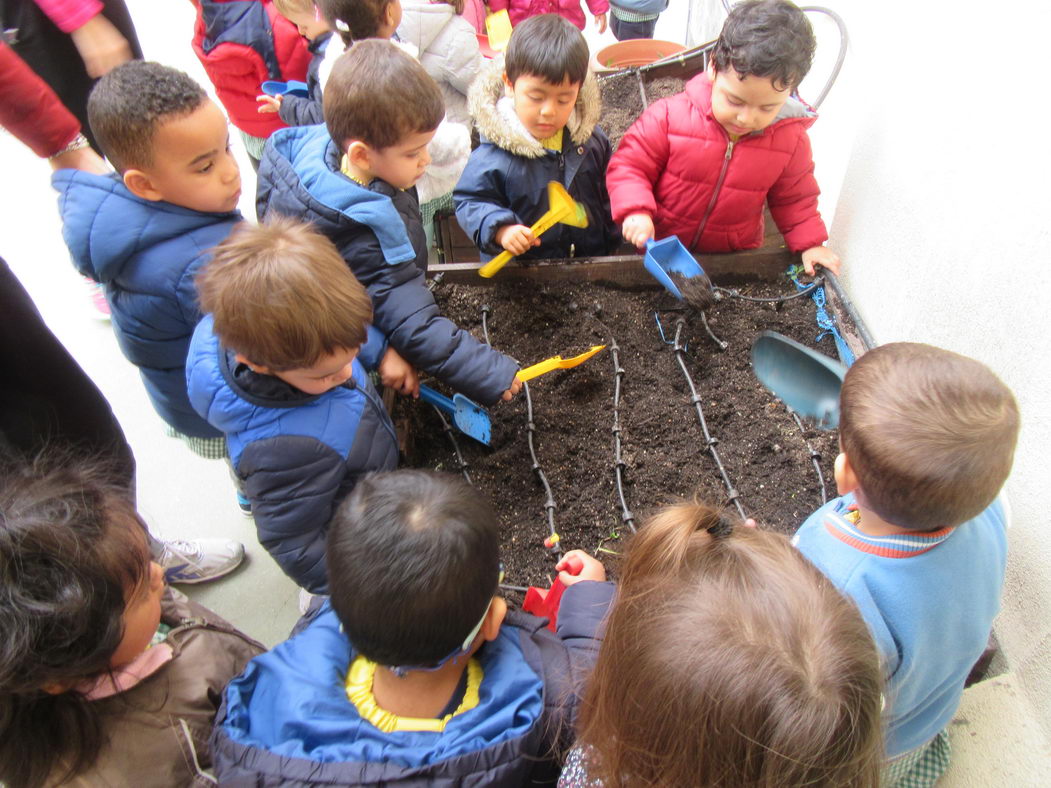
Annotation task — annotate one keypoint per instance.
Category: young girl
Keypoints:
(728, 660)
(107, 677)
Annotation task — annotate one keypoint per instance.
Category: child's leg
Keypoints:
(628, 30)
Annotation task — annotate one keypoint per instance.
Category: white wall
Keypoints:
(934, 156)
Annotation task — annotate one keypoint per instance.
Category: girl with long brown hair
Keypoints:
(728, 660)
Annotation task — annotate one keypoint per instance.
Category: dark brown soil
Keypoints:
(765, 456)
(622, 100)
(696, 291)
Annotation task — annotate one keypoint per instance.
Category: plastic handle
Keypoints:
(574, 565)
(542, 225)
(427, 394)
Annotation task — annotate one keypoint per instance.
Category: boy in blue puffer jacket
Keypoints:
(354, 180)
(536, 112)
(276, 364)
(414, 672)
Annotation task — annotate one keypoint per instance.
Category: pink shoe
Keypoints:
(98, 299)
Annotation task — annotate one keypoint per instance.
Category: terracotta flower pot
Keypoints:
(634, 52)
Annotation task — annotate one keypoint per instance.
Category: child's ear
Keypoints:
(358, 154)
(494, 618)
(509, 87)
(259, 368)
(846, 479)
(140, 185)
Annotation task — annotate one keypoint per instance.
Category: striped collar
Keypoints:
(842, 521)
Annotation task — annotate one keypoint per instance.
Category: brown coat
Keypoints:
(158, 730)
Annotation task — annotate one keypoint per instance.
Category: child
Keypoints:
(414, 672)
(303, 110)
(448, 50)
(274, 365)
(536, 112)
(634, 18)
(519, 10)
(702, 164)
(728, 660)
(84, 696)
(917, 538)
(354, 181)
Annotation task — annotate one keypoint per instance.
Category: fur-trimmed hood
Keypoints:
(494, 113)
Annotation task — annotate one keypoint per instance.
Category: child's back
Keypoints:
(917, 538)
(414, 564)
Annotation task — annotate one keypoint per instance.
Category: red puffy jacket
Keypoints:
(677, 164)
(520, 10)
(242, 45)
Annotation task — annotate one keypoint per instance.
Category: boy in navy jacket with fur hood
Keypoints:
(414, 673)
(542, 130)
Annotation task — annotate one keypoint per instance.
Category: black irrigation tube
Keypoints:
(695, 400)
(815, 456)
(553, 543)
(447, 428)
(618, 462)
(725, 291)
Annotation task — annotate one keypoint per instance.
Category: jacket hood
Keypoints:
(699, 91)
(324, 195)
(497, 122)
(105, 225)
(421, 23)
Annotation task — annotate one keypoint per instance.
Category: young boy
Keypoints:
(302, 110)
(145, 231)
(536, 112)
(415, 672)
(274, 365)
(700, 165)
(354, 180)
(917, 538)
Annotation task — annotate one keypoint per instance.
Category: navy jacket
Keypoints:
(297, 454)
(287, 721)
(146, 254)
(506, 178)
(379, 232)
(307, 111)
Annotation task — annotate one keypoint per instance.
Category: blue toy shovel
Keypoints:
(669, 257)
(272, 87)
(805, 380)
(469, 417)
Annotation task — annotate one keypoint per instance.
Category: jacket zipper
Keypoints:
(715, 195)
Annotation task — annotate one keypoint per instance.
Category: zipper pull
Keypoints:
(730, 149)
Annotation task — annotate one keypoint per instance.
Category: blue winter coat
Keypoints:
(378, 231)
(297, 454)
(287, 721)
(505, 181)
(146, 254)
(307, 110)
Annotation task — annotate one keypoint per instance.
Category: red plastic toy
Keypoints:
(544, 601)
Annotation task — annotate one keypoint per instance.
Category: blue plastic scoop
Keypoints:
(805, 380)
(469, 417)
(668, 257)
(293, 87)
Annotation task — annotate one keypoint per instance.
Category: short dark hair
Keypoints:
(379, 95)
(766, 38)
(547, 46)
(281, 295)
(127, 105)
(362, 17)
(413, 564)
(930, 434)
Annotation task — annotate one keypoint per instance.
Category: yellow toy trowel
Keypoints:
(498, 28)
(562, 209)
(556, 362)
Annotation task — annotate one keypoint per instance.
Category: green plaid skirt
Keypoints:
(919, 768)
(209, 448)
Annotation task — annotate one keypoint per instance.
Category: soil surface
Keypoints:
(766, 458)
(622, 100)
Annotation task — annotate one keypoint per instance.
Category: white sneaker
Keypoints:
(199, 560)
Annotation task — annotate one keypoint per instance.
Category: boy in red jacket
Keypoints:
(701, 164)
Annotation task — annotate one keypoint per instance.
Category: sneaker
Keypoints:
(199, 560)
(98, 299)
(244, 505)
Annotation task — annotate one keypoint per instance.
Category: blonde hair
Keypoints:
(729, 659)
(288, 7)
(282, 296)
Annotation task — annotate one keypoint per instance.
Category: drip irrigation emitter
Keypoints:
(618, 457)
(552, 542)
(695, 399)
(815, 456)
(448, 429)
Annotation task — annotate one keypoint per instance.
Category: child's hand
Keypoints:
(600, 23)
(592, 569)
(516, 238)
(637, 229)
(820, 255)
(516, 386)
(398, 374)
(269, 103)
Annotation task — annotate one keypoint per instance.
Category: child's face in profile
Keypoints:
(330, 371)
(142, 614)
(543, 107)
(310, 24)
(742, 106)
(192, 165)
(403, 164)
